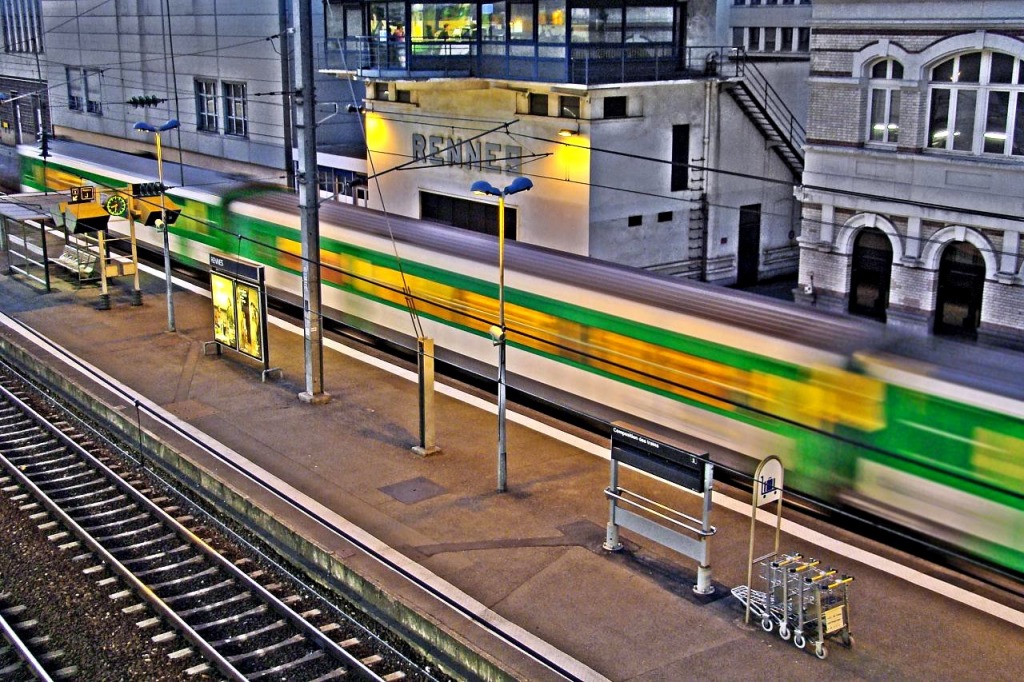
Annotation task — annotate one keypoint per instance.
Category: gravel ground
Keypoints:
(78, 614)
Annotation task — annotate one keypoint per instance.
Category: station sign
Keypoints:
(664, 460)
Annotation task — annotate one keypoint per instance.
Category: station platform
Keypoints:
(529, 562)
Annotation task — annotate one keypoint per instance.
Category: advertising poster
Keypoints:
(250, 317)
(222, 290)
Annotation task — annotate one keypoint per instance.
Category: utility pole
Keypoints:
(309, 208)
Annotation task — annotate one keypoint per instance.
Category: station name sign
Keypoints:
(442, 150)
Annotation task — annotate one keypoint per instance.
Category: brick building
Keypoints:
(913, 190)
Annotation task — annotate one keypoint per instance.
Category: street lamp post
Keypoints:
(482, 187)
(156, 130)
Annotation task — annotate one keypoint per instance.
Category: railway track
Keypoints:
(174, 579)
(26, 654)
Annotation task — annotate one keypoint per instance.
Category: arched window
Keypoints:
(870, 274)
(884, 101)
(977, 104)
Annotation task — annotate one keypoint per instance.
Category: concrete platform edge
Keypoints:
(450, 650)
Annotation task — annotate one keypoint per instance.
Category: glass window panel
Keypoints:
(737, 37)
(943, 72)
(966, 108)
(75, 89)
(492, 18)
(551, 52)
(569, 106)
(439, 20)
(596, 25)
(769, 39)
(649, 24)
(880, 70)
(897, 70)
(786, 41)
(520, 21)
(996, 119)
(970, 68)
(538, 104)
(1018, 127)
(938, 122)
(803, 40)
(754, 38)
(878, 115)
(1002, 68)
(893, 127)
(551, 21)
(206, 105)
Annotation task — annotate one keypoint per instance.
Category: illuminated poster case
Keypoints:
(239, 294)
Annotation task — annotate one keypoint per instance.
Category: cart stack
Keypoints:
(801, 600)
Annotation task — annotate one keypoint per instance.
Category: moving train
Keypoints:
(926, 433)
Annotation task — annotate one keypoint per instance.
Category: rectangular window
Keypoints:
(76, 88)
(569, 106)
(680, 158)
(885, 115)
(615, 107)
(966, 108)
(551, 21)
(538, 104)
(754, 39)
(665, 217)
(476, 216)
(236, 115)
(520, 21)
(93, 91)
(380, 91)
(403, 96)
(938, 122)
(635, 220)
(996, 121)
(22, 26)
(738, 37)
(206, 105)
(769, 39)
(649, 24)
(803, 40)
(786, 41)
(596, 25)
(1018, 127)
(492, 18)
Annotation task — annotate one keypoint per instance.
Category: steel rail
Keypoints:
(221, 662)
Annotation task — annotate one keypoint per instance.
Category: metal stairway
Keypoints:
(765, 108)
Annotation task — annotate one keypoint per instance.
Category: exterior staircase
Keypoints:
(765, 108)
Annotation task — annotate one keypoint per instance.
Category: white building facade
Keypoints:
(637, 122)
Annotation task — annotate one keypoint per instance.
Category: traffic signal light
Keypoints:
(145, 101)
(147, 189)
(148, 211)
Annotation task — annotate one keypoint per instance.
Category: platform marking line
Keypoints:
(847, 550)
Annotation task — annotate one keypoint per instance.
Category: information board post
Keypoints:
(428, 445)
(766, 488)
(685, 534)
(239, 294)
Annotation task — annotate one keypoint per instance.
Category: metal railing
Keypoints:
(585, 64)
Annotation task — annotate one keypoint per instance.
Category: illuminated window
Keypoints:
(884, 102)
(977, 104)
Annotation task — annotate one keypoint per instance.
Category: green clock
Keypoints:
(116, 205)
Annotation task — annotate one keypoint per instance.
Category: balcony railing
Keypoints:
(585, 64)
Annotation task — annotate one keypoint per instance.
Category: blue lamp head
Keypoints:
(149, 128)
(484, 187)
(520, 184)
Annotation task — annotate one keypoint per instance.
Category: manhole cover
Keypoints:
(414, 490)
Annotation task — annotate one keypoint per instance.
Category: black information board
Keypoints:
(641, 451)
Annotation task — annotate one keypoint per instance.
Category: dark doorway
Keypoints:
(961, 282)
(871, 274)
(748, 250)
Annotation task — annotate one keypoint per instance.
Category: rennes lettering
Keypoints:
(448, 151)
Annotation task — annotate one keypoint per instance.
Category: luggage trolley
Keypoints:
(803, 601)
